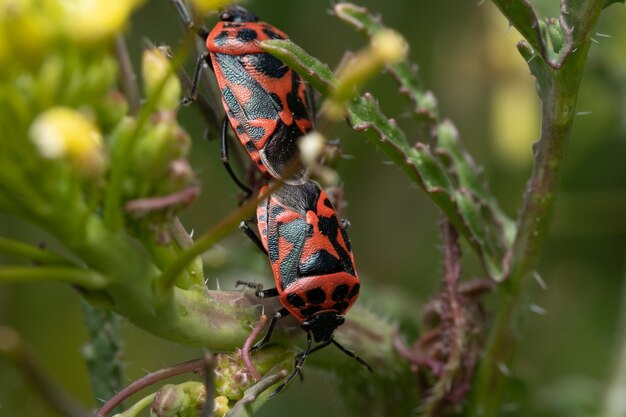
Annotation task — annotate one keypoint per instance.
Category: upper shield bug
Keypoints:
(312, 263)
(269, 106)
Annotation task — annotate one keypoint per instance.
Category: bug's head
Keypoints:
(323, 325)
(237, 14)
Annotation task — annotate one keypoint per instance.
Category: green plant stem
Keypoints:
(31, 253)
(81, 277)
(208, 239)
(138, 407)
(103, 353)
(558, 90)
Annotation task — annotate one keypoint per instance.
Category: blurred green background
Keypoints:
(466, 55)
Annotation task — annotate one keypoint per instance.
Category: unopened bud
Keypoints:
(389, 46)
(221, 406)
(311, 147)
(62, 132)
(157, 71)
(168, 401)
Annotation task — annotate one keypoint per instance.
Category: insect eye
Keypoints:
(305, 325)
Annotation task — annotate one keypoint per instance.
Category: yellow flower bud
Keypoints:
(93, 21)
(386, 47)
(64, 133)
(27, 28)
(155, 68)
(389, 46)
(221, 406)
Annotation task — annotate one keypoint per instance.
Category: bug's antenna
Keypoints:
(185, 16)
(353, 355)
(296, 369)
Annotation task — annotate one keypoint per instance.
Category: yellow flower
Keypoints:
(92, 21)
(64, 133)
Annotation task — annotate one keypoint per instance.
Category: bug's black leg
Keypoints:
(345, 224)
(193, 91)
(283, 312)
(185, 16)
(253, 237)
(260, 292)
(226, 161)
(300, 358)
(299, 355)
(353, 355)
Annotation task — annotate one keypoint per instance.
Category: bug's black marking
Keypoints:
(240, 130)
(296, 105)
(268, 65)
(320, 263)
(221, 39)
(316, 296)
(327, 203)
(355, 290)
(309, 311)
(345, 237)
(340, 292)
(340, 306)
(250, 146)
(246, 35)
(328, 227)
(277, 101)
(295, 300)
(271, 34)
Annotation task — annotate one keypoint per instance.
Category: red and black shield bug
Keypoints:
(269, 106)
(312, 262)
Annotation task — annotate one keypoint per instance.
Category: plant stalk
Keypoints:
(559, 92)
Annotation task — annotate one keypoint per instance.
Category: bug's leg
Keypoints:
(253, 237)
(226, 161)
(300, 358)
(259, 291)
(193, 91)
(315, 349)
(283, 312)
(345, 224)
(185, 16)
(353, 355)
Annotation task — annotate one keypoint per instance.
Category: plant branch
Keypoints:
(558, 91)
(31, 252)
(103, 353)
(128, 79)
(82, 277)
(196, 365)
